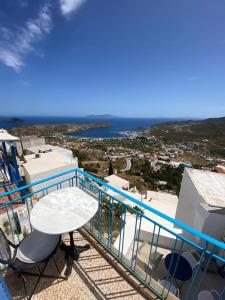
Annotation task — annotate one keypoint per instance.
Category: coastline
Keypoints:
(49, 129)
(83, 127)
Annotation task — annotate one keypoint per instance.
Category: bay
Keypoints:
(117, 124)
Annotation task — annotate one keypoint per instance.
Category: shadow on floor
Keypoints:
(15, 283)
(93, 277)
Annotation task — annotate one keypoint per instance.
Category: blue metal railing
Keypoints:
(13, 177)
(121, 228)
(8, 184)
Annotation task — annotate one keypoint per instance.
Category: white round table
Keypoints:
(64, 211)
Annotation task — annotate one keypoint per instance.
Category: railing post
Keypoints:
(100, 215)
(15, 165)
(76, 177)
(2, 165)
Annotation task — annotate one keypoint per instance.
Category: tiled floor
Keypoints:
(92, 278)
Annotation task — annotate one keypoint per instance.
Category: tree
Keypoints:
(81, 156)
(110, 168)
(16, 122)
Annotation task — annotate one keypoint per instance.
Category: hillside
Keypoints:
(46, 129)
(212, 129)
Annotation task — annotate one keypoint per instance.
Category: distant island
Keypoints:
(102, 116)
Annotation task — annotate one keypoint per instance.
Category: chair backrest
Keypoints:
(191, 259)
(5, 252)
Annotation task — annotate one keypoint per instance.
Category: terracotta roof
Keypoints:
(5, 199)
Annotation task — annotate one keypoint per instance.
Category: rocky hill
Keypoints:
(48, 129)
(211, 130)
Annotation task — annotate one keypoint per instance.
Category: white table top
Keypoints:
(63, 211)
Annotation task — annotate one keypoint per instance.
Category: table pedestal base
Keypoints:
(72, 252)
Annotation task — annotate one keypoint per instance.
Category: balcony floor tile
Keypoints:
(92, 278)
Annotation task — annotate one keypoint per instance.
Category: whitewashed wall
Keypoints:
(33, 178)
(190, 210)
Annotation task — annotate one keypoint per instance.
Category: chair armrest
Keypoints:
(192, 257)
(13, 245)
(215, 293)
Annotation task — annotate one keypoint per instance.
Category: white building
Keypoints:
(165, 203)
(49, 148)
(201, 202)
(117, 182)
(29, 141)
(47, 164)
(201, 205)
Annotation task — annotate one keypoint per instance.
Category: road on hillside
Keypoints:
(128, 166)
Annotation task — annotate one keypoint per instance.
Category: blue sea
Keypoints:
(117, 124)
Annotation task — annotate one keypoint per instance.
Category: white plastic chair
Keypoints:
(169, 286)
(192, 257)
(208, 295)
(148, 258)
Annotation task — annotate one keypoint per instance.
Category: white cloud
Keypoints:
(69, 6)
(16, 44)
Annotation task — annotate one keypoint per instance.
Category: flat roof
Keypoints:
(44, 147)
(210, 185)
(46, 162)
(29, 157)
(116, 180)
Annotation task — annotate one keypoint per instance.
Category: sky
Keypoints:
(132, 58)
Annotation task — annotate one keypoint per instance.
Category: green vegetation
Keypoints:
(112, 212)
(170, 175)
(17, 122)
(138, 209)
(119, 164)
(211, 130)
(110, 172)
(81, 155)
(139, 143)
(91, 169)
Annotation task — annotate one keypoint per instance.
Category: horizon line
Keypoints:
(107, 116)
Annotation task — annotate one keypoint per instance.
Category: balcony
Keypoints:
(129, 251)
(93, 277)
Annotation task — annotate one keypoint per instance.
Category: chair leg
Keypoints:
(24, 285)
(56, 266)
(40, 275)
(38, 280)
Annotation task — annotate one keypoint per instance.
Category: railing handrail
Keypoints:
(178, 223)
(24, 187)
(158, 213)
